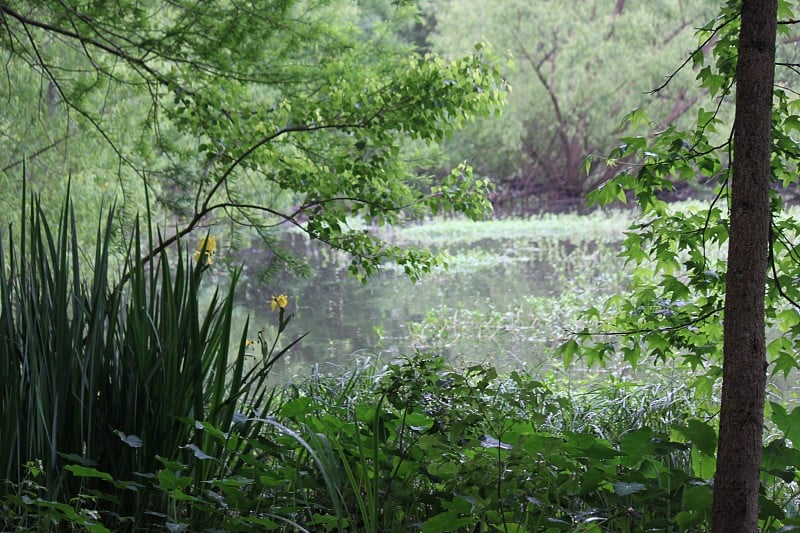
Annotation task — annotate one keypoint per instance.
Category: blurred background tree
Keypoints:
(579, 68)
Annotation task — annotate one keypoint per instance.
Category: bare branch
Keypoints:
(699, 49)
(37, 153)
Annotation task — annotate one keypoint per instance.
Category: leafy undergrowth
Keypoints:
(420, 446)
(127, 408)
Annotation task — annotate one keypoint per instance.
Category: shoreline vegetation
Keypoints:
(415, 442)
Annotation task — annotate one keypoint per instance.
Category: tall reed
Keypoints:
(112, 376)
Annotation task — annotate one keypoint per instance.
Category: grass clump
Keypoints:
(597, 226)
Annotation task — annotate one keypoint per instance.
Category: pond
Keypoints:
(507, 295)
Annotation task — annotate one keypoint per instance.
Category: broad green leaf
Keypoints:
(787, 319)
(687, 520)
(133, 441)
(197, 452)
(703, 465)
(446, 522)
(297, 408)
(169, 481)
(637, 445)
(568, 351)
(622, 488)
(702, 436)
(792, 122)
(418, 421)
(175, 466)
(179, 495)
(697, 498)
(84, 471)
(788, 423)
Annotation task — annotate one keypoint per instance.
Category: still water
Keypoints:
(345, 319)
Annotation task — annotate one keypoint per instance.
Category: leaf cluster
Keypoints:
(673, 308)
(420, 446)
(262, 114)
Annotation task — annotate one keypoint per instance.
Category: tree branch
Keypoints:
(696, 50)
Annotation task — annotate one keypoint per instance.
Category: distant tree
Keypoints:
(261, 113)
(580, 66)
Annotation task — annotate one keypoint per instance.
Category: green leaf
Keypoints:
(788, 423)
(622, 488)
(175, 466)
(792, 122)
(697, 497)
(459, 505)
(443, 470)
(419, 421)
(179, 495)
(169, 481)
(133, 441)
(687, 520)
(197, 452)
(702, 436)
(637, 445)
(297, 408)
(787, 319)
(704, 466)
(445, 522)
(568, 351)
(84, 471)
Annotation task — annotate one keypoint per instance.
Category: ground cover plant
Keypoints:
(139, 414)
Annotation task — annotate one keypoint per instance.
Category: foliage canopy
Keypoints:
(677, 253)
(269, 112)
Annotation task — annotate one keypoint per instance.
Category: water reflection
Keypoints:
(344, 317)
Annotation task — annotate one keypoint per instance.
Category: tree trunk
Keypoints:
(736, 481)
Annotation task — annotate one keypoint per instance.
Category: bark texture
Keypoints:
(736, 482)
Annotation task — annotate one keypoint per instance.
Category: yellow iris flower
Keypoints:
(207, 243)
(279, 301)
(206, 246)
(209, 260)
